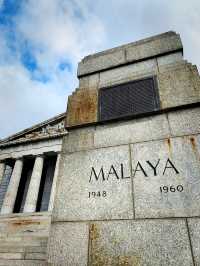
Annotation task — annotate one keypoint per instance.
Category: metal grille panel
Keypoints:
(136, 97)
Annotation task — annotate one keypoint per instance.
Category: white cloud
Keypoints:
(59, 30)
(56, 33)
(66, 30)
(24, 101)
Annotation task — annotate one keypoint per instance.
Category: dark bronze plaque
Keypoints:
(133, 98)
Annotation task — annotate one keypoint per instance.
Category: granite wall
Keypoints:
(128, 192)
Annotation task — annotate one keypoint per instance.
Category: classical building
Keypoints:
(29, 163)
(116, 181)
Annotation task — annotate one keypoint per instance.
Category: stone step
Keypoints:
(22, 263)
(11, 256)
(35, 256)
(28, 249)
(12, 249)
(22, 243)
(38, 249)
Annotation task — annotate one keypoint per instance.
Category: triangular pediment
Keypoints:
(53, 127)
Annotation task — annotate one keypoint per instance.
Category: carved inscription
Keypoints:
(146, 169)
(166, 189)
(118, 172)
(97, 194)
(106, 174)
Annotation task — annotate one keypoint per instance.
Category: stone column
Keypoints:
(33, 189)
(53, 188)
(11, 193)
(2, 170)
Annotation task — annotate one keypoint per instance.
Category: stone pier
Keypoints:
(128, 186)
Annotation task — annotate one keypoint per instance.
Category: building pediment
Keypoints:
(50, 128)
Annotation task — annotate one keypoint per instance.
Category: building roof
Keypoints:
(51, 128)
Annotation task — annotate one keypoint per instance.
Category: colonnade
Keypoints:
(34, 185)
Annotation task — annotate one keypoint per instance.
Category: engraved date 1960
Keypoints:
(97, 194)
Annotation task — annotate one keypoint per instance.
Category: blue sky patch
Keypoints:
(9, 9)
(28, 60)
(65, 65)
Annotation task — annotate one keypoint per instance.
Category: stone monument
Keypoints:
(128, 190)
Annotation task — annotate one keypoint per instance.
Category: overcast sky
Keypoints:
(41, 42)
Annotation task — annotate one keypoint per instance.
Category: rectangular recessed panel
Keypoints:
(136, 97)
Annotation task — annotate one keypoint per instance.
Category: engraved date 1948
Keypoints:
(97, 194)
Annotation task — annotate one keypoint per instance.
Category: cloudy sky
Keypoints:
(41, 42)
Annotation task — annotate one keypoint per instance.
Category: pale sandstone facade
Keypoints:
(127, 191)
(24, 229)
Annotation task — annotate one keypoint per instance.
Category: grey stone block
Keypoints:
(35, 256)
(22, 263)
(145, 242)
(153, 47)
(128, 73)
(149, 47)
(80, 196)
(101, 61)
(12, 241)
(79, 139)
(194, 229)
(11, 256)
(178, 85)
(170, 59)
(68, 244)
(12, 249)
(40, 249)
(173, 189)
(185, 122)
(91, 81)
(132, 131)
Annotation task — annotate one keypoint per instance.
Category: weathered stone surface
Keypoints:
(136, 130)
(23, 241)
(128, 73)
(68, 244)
(181, 175)
(79, 139)
(77, 184)
(166, 43)
(145, 242)
(91, 81)
(169, 59)
(22, 263)
(157, 45)
(23, 237)
(159, 56)
(40, 249)
(178, 85)
(11, 256)
(101, 61)
(194, 229)
(82, 107)
(185, 122)
(12, 249)
(35, 256)
(25, 225)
